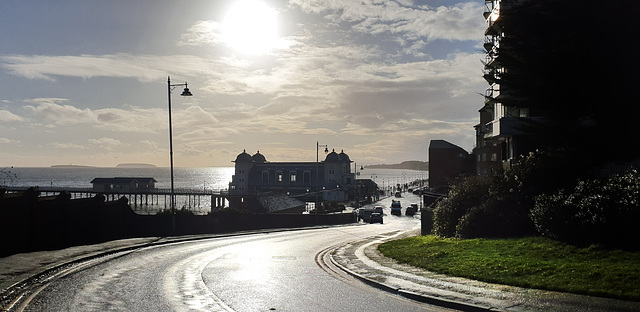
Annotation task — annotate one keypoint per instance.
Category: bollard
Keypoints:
(426, 221)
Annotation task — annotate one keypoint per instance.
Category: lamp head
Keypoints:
(186, 92)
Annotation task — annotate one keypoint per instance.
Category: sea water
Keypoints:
(205, 178)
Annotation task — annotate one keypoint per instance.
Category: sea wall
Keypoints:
(30, 222)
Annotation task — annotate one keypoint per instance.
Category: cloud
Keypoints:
(8, 141)
(60, 114)
(202, 33)
(145, 68)
(7, 116)
(461, 21)
(70, 146)
(152, 145)
(133, 120)
(196, 116)
(106, 143)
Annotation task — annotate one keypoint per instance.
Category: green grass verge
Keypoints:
(533, 262)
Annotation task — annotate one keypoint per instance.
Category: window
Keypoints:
(306, 178)
(265, 177)
(331, 171)
(494, 157)
(279, 176)
(292, 177)
(498, 111)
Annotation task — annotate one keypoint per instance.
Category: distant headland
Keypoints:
(71, 166)
(409, 165)
(135, 165)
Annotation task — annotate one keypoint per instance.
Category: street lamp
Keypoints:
(326, 150)
(185, 92)
(356, 190)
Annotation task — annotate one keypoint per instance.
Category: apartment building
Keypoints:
(500, 136)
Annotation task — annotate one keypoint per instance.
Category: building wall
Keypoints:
(328, 180)
(446, 162)
(501, 118)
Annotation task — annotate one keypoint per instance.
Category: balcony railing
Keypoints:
(509, 126)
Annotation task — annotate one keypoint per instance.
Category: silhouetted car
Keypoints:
(376, 217)
(378, 209)
(364, 214)
(396, 208)
(411, 210)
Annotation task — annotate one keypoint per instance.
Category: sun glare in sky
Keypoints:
(250, 27)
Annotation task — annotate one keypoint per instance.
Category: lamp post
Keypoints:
(356, 190)
(185, 92)
(326, 150)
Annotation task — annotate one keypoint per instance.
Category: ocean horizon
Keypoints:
(209, 178)
(201, 178)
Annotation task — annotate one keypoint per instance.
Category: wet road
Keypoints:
(280, 271)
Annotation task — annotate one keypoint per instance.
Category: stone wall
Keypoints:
(31, 222)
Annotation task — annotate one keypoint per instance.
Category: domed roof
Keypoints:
(244, 157)
(332, 157)
(344, 157)
(259, 158)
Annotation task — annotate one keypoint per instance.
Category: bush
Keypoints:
(470, 192)
(597, 211)
(495, 218)
(514, 204)
(500, 206)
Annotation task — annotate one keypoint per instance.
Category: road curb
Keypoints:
(442, 302)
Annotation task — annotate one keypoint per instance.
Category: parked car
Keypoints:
(396, 208)
(411, 210)
(364, 214)
(376, 217)
(378, 209)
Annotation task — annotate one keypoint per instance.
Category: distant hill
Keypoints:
(71, 166)
(135, 165)
(410, 165)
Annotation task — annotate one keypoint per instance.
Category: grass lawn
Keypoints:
(533, 262)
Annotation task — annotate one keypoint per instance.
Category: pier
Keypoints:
(186, 198)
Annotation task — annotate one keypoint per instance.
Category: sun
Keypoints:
(250, 27)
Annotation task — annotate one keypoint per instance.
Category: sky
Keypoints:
(85, 82)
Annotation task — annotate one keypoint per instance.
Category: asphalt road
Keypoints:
(279, 271)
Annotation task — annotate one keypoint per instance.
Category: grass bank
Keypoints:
(526, 262)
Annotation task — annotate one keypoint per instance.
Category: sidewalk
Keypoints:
(362, 260)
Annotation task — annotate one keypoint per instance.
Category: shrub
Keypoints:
(495, 218)
(503, 206)
(597, 211)
(500, 206)
(468, 193)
